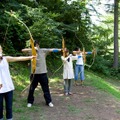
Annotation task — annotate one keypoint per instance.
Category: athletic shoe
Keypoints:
(66, 94)
(29, 105)
(50, 104)
(70, 93)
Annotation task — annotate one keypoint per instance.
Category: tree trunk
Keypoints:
(116, 48)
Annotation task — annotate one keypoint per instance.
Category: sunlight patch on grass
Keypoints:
(20, 81)
(100, 83)
(56, 79)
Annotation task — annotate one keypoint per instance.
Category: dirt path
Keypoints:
(86, 103)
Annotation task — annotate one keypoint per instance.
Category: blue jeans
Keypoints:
(8, 103)
(79, 69)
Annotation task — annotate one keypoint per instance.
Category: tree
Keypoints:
(116, 50)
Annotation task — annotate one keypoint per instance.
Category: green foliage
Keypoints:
(115, 72)
(48, 21)
(11, 33)
(102, 65)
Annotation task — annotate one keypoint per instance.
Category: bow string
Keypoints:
(94, 52)
(83, 49)
(63, 51)
(31, 41)
(84, 53)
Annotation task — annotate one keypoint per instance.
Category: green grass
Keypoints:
(20, 75)
(103, 84)
(74, 110)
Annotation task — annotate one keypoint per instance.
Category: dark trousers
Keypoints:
(8, 103)
(43, 80)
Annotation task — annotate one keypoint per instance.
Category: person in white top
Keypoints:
(68, 72)
(79, 67)
(6, 84)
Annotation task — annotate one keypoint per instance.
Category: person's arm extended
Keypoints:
(21, 58)
(26, 50)
(54, 50)
(65, 58)
(77, 52)
(74, 52)
(88, 53)
(75, 57)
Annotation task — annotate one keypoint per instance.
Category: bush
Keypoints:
(104, 65)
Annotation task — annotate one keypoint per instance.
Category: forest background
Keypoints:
(50, 20)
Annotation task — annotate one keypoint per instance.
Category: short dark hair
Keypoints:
(76, 49)
(36, 42)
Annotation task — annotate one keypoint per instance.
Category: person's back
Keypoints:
(41, 61)
(5, 77)
(40, 75)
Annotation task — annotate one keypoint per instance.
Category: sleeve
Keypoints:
(63, 59)
(74, 57)
(46, 51)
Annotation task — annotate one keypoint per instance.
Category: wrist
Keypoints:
(89, 52)
(55, 50)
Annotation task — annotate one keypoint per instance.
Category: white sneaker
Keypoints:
(66, 94)
(50, 104)
(29, 105)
